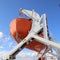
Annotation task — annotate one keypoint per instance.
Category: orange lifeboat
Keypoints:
(21, 28)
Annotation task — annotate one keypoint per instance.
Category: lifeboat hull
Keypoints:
(20, 28)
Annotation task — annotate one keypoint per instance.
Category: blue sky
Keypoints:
(9, 9)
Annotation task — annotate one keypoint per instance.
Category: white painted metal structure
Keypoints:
(36, 27)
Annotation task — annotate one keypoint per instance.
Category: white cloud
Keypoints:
(10, 44)
(3, 54)
(1, 47)
(6, 42)
(1, 34)
(26, 56)
(3, 37)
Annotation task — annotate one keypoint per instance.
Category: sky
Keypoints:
(9, 10)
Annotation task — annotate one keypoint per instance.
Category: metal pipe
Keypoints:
(46, 42)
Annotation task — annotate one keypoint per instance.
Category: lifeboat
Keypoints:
(19, 29)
